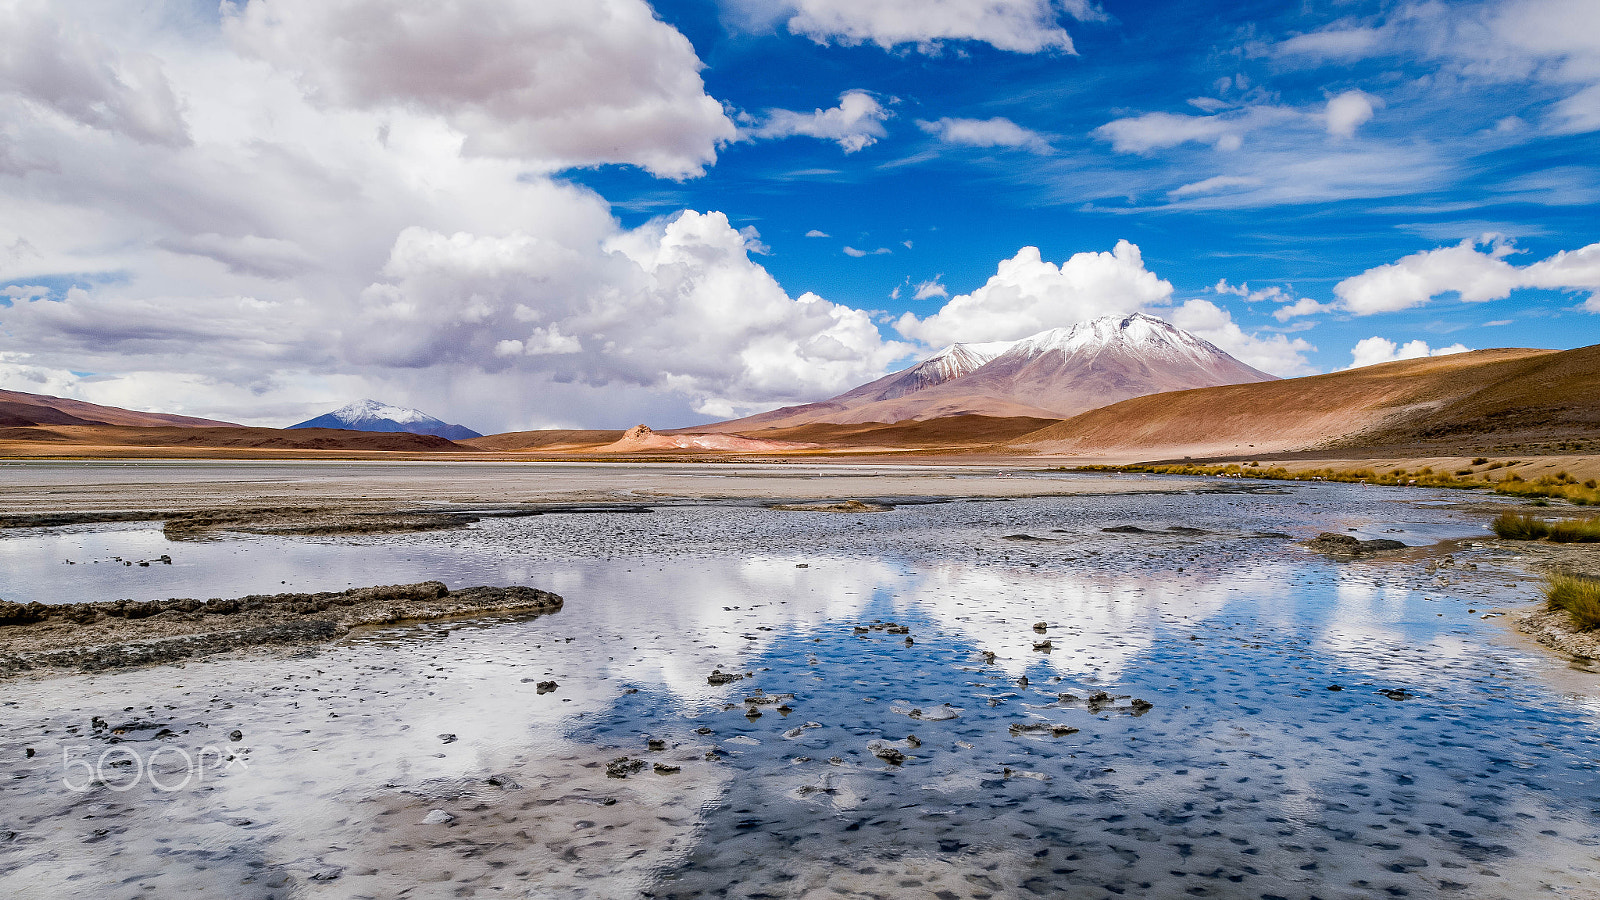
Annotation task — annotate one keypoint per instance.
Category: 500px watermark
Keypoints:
(122, 768)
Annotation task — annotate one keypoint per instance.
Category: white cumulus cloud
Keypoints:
(1027, 295)
(1020, 26)
(1475, 275)
(996, 132)
(1275, 354)
(558, 82)
(856, 123)
(1349, 111)
(1373, 350)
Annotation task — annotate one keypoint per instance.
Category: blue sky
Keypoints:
(594, 213)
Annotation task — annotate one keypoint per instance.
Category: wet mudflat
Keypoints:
(962, 699)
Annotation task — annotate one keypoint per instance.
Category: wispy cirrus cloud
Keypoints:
(995, 132)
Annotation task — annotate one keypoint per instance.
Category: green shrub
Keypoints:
(1580, 597)
(1519, 527)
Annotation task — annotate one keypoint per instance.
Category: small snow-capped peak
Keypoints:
(1138, 332)
(959, 359)
(367, 410)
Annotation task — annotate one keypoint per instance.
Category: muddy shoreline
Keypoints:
(91, 637)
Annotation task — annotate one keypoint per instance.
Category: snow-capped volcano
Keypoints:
(370, 415)
(1053, 374)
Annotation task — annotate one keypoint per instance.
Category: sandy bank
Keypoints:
(122, 633)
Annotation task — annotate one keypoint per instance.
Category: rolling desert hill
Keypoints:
(949, 433)
(1051, 375)
(550, 440)
(1481, 399)
(20, 410)
(122, 441)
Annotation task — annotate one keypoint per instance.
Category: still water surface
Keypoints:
(424, 761)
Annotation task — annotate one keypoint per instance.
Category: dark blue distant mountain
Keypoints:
(370, 415)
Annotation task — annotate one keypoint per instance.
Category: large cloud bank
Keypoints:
(1474, 275)
(344, 198)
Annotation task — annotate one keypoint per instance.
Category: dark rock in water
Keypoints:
(656, 744)
(889, 755)
(664, 769)
(719, 677)
(1042, 728)
(752, 714)
(989, 657)
(448, 738)
(1042, 646)
(622, 767)
(545, 687)
(1126, 529)
(1140, 707)
(1335, 687)
(1185, 529)
(1343, 546)
(1396, 694)
(1041, 627)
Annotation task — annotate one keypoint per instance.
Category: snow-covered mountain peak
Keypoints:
(1138, 333)
(959, 359)
(372, 415)
(363, 410)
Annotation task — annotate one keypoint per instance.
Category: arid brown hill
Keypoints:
(118, 440)
(550, 440)
(19, 409)
(1481, 399)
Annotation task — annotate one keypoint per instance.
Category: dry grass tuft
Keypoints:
(1579, 597)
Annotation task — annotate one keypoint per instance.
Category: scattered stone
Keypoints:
(889, 755)
(1126, 529)
(989, 657)
(1396, 694)
(913, 741)
(1140, 707)
(1041, 627)
(545, 687)
(438, 817)
(622, 767)
(847, 506)
(936, 714)
(752, 714)
(664, 769)
(448, 738)
(719, 677)
(1042, 728)
(656, 744)
(1042, 646)
(1344, 547)
(1335, 687)
(235, 736)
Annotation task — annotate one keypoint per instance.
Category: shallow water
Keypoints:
(1246, 777)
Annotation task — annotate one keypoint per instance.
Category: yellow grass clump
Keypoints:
(1579, 597)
